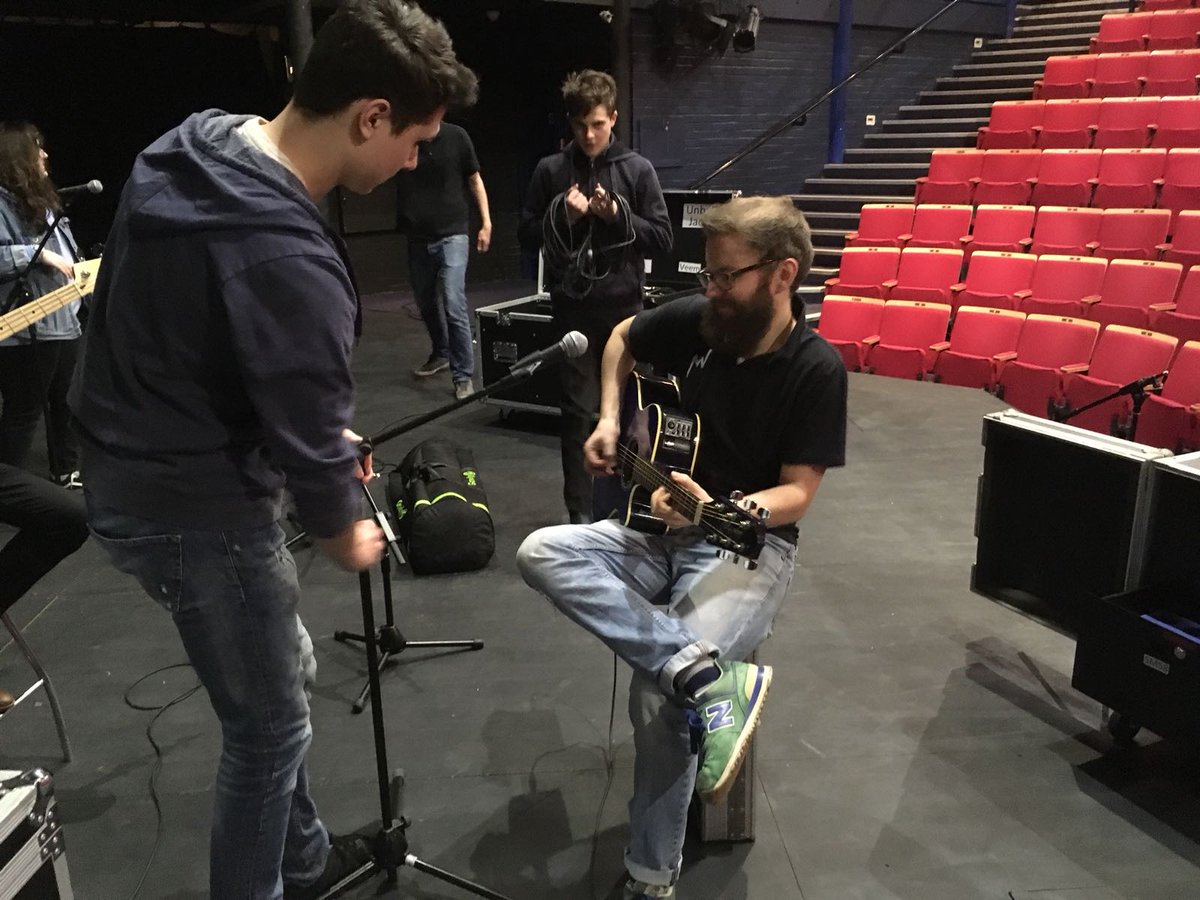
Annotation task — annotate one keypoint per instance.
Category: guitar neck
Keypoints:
(34, 311)
(649, 476)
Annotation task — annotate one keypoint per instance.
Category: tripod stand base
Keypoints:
(393, 643)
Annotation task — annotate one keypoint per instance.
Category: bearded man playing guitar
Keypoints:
(770, 396)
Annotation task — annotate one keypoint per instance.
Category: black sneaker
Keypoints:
(432, 366)
(347, 854)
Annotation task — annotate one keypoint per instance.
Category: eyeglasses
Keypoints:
(724, 280)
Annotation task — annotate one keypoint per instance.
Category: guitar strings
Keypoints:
(687, 503)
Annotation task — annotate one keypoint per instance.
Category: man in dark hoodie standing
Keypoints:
(217, 372)
(597, 211)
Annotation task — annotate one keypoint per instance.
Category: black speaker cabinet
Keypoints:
(1139, 652)
(1058, 517)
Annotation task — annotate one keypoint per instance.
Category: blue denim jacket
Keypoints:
(17, 243)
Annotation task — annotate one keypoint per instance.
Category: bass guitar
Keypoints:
(27, 314)
(656, 439)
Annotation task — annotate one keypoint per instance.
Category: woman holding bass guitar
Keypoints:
(36, 364)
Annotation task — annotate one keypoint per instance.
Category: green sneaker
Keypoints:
(729, 710)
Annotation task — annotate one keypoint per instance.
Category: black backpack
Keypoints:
(440, 510)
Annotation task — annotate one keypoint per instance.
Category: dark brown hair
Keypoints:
(385, 49)
(21, 174)
(584, 91)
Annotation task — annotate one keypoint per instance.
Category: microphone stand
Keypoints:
(1137, 391)
(390, 847)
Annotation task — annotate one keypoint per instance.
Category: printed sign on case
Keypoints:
(692, 213)
(689, 268)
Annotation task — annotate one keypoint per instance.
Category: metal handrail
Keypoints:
(802, 116)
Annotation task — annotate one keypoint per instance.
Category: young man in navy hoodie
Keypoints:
(217, 373)
(597, 211)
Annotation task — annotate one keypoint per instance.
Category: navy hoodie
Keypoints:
(217, 362)
(620, 171)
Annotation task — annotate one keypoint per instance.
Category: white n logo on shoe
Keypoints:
(719, 715)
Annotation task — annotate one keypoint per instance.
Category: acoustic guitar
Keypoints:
(656, 439)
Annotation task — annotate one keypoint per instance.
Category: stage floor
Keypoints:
(920, 742)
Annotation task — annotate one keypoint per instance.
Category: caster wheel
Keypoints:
(1123, 730)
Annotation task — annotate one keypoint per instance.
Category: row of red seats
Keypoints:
(1078, 231)
(1166, 179)
(1126, 292)
(1167, 29)
(1154, 73)
(1165, 122)
(1037, 363)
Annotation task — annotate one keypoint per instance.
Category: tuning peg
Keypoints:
(724, 554)
(764, 514)
(736, 496)
(749, 564)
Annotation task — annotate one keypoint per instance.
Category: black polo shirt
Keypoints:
(432, 198)
(782, 408)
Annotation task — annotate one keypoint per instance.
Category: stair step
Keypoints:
(833, 222)
(947, 111)
(923, 141)
(873, 170)
(827, 257)
(918, 126)
(889, 154)
(936, 98)
(837, 203)
(1078, 18)
(1030, 70)
(890, 187)
(1037, 41)
(828, 237)
(1072, 31)
(1029, 54)
(1099, 5)
(985, 82)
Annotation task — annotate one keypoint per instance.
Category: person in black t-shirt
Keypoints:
(434, 213)
(771, 397)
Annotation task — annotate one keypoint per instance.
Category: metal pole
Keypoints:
(299, 32)
(622, 30)
(841, 68)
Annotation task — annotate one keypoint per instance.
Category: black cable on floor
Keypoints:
(158, 761)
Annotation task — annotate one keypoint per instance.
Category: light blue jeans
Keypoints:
(438, 273)
(661, 603)
(233, 598)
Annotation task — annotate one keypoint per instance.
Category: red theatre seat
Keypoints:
(1180, 182)
(1171, 73)
(1130, 287)
(978, 336)
(1066, 177)
(951, 178)
(1132, 233)
(1174, 30)
(881, 224)
(1122, 355)
(998, 227)
(994, 279)
(863, 271)
(1065, 230)
(846, 322)
(1121, 32)
(1030, 377)
(1172, 419)
(938, 225)
(904, 347)
(925, 274)
(1060, 283)
(1125, 122)
(1065, 77)
(1119, 74)
(1006, 176)
(1182, 317)
(1185, 240)
(1128, 177)
(1068, 124)
(1012, 123)
(1178, 123)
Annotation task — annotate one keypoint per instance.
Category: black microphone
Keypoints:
(1143, 383)
(572, 346)
(91, 187)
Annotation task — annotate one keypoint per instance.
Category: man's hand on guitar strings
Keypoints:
(600, 449)
(660, 500)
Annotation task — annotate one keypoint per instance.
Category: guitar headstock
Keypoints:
(737, 528)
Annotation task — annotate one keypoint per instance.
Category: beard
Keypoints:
(737, 328)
